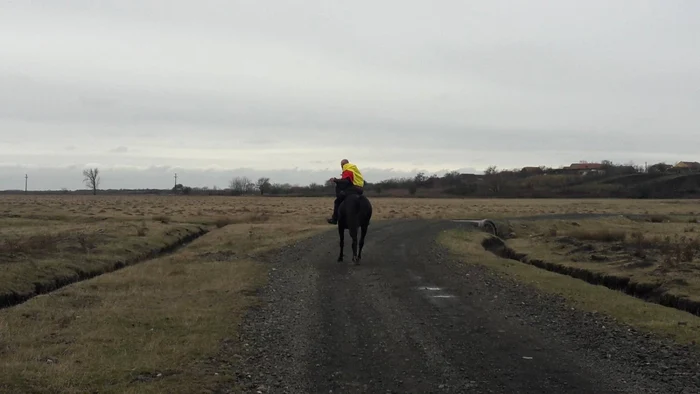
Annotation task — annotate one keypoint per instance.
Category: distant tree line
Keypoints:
(659, 180)
(542, 182)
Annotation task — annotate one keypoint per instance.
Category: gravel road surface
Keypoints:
(412, 319)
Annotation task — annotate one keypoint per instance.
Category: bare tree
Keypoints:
(491, 170)
(493, 179)
(248, 185)
(452, 178)
(420, 179)
(241, 185)
(91, 177)
(236, 185)
(263, 185)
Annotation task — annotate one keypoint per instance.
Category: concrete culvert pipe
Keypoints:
(489, 226)
(483, 224)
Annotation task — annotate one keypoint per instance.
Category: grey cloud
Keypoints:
(119, 149)
(448, 84)
(319, 124)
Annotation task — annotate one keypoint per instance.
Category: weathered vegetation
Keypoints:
(38, 257)
(646, 317)
(155, 322)
(654, 257)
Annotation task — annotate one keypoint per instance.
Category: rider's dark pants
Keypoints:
(340, 196)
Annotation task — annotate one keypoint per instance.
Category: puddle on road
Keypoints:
(430, 291)
(436, 289)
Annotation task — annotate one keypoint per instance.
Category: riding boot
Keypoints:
(336, 204)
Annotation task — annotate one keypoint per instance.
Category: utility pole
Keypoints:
(26, 180)
(176, 179)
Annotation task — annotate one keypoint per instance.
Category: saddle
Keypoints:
(355, 199)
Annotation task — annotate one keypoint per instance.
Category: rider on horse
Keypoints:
(350, 182)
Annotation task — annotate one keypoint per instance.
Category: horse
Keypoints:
(355, 211)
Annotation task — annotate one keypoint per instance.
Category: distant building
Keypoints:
(687, 166)
(584, 168)
(532, 170)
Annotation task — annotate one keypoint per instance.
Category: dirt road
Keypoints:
(412, 319)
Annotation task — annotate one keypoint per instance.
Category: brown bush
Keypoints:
(86, 241)
(14, 246)
(142, 230)
(257, 217)
(639, 240)
(162, 218)
(222, 222)
(677, 250)
(602, 235)
(659, 219)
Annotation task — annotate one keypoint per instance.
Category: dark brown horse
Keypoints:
(355, 211)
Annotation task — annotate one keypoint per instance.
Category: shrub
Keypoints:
(602, 235)
(162, 218)
(222, 222)
(36, 244)
(142, 230)
(86, 241)
(659, 219)
(256, 217)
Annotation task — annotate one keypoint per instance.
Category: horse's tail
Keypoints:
(364, 210)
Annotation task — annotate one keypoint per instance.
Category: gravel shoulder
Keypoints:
(412, 318)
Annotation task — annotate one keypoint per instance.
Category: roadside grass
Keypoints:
(148, 328)
(663, 254)
(249, 239)
(153, 327)
(644, 316)
(38, 255)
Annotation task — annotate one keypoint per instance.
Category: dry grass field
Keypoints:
(310, 210)
(154, 326)
(661, 254)
(642, 316)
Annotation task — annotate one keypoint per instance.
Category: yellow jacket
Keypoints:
(353, 174)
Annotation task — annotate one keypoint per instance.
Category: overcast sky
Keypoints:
(213, 89)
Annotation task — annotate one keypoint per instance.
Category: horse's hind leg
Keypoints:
(362, 241)
(341, 234)
(353, 235)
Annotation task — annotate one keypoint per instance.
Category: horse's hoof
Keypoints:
(340, 259)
